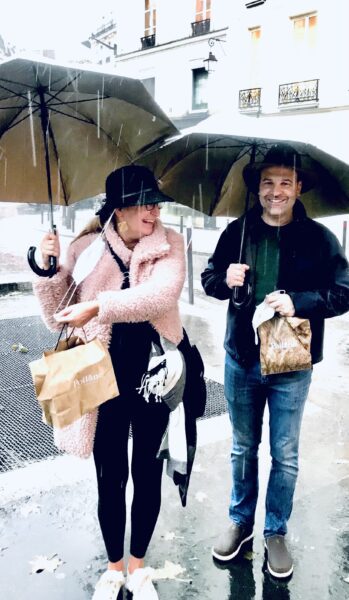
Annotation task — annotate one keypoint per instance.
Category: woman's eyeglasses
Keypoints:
(150, 207)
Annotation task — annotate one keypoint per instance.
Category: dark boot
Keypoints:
(279, 560)
(230, 542)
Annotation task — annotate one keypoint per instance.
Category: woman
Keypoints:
(126, 320)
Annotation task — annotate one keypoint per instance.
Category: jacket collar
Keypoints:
(149, 247)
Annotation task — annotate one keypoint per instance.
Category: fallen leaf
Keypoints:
(43, 563)
(14, 346)
(22, 348)
(249, 555)
(200, 496)
(169, 571)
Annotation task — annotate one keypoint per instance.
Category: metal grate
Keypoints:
(24, 437)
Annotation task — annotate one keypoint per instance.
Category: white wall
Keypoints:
(279, 62)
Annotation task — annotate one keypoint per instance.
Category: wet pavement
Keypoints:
(48, 508)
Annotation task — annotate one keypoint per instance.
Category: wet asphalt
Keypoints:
(49, 508)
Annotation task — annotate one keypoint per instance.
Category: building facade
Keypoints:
(293, 55)
(259, 56)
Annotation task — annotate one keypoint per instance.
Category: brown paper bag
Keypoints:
(72, 380)
(285, 345)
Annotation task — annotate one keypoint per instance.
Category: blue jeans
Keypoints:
(247, 392)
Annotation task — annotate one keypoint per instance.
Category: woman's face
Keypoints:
(137, 221)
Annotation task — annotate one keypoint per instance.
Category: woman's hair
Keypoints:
(93, 226)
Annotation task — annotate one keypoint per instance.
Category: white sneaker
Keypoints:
(141, 585)
(109, 585)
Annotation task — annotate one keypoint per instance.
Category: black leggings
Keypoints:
(149, 422)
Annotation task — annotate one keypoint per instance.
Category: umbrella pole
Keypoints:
(242, 296)
(31, 252)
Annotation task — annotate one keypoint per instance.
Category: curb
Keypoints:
(19, 286)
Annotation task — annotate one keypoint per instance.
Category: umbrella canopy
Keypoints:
(202, 167)
(92, 122)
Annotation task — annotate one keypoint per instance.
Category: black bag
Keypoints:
(195, 386)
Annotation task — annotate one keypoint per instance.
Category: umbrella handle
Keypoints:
(237, 300)
(52, 270)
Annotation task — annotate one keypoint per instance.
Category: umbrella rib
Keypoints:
(58, 163)
(68, 102)
(15, 94)
(174, 161)
(82, 119)
(90, 122)
(11, 107)
(12, 124)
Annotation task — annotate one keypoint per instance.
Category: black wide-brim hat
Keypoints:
(280, 155)
(133, 185)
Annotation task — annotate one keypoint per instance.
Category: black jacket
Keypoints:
(312, 269)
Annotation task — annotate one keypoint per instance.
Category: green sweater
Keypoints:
(267, 262)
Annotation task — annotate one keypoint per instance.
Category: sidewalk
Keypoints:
(49, 508)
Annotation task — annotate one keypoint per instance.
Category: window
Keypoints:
(200, 79)
(150, 18)
(203, 10)
(304, 29)
(255, 55)
(255, 34)
(149, 85)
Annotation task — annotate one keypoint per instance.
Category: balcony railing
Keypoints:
(105, 28)
(148, 41)
(250, 98)
(299, 91)
(200, 27)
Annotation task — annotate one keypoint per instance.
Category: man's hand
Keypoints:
(281, 303)
(236, 275)
(77, 315)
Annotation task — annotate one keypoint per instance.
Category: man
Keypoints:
(283, 249)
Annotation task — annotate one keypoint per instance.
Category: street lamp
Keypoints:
(211, 57)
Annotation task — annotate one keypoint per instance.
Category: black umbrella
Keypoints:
(202, 167)
(63, 129)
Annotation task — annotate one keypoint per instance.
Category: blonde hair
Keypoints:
(93, 226)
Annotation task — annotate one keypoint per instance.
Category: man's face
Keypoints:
(278, 191)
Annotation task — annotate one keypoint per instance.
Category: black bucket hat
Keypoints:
(132, 185)
(282, 155)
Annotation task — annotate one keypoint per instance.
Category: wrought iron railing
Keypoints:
(148, 41)
(200, 27)
(299, 91)
(105, 28)
(250, 98)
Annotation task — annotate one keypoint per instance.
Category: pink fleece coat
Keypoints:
(157, 273)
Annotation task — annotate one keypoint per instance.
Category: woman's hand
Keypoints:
(281, 303)
(236, 275)
(77, 315)
(50, 246)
